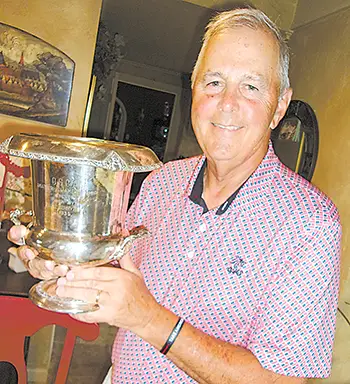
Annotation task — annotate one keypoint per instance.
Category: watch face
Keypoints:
(295, 139)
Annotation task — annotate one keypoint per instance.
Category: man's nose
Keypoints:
(229, 101)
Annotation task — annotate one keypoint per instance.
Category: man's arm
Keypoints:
(126, 302)
(209, 360)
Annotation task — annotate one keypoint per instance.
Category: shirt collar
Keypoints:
(197, 193)
(252, 192)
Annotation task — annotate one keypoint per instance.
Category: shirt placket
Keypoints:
(205, 228)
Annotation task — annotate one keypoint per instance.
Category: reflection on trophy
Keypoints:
(81, 189)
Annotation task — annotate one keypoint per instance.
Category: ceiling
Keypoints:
(167, 33)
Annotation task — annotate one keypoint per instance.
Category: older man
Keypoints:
(238, 282)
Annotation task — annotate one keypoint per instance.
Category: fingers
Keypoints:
(93, 296)
(58, 270)
(39, 268)
(42, 269)
(25, 253)
(90, 274)
(17, 233)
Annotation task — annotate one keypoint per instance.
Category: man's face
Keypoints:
(236, 96)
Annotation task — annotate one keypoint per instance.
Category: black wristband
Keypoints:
(172, 337)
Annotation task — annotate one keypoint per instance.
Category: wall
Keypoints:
(281, 11)
(320, 74)
(310, 10)
(70, 26)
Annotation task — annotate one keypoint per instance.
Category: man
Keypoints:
(238, 282)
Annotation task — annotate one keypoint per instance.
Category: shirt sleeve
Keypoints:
(293, 330)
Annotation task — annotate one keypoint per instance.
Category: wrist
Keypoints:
(158, 329)
(172, 337)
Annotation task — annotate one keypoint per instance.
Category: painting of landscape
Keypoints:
(35, 78)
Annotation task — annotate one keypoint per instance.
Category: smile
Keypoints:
(228, 127)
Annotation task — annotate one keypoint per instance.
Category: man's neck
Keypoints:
(222, 180)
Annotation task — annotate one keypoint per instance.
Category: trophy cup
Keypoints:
(80, 192)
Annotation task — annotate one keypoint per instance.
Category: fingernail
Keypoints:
(59, 290)
(50, 265)
(61, 281)
(29, 254)
(63, 269)
(18, 231)
(70, 275)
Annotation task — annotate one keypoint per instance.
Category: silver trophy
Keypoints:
(81, 189)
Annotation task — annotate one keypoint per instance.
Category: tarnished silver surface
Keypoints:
(110, 155)
(81, 189)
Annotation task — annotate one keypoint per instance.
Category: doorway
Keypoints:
(143, 116)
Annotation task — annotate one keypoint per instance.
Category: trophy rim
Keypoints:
(109, 155)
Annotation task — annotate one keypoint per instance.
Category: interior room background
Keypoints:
(162, 39)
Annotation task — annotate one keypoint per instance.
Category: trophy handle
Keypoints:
(134, 234)
(15, 216)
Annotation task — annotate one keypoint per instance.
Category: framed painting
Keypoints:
(35, 78)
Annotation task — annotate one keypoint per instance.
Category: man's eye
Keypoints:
(251, 87)
(214, 83)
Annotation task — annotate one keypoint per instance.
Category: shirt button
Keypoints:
(203, 227)
(190, 254)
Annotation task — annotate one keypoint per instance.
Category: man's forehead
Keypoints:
(253, 38)
(241, 28)
(244, 33)
(252, 75)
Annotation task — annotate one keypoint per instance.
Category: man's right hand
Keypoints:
(37, 267)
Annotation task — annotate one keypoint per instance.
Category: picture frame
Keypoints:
(36, 78)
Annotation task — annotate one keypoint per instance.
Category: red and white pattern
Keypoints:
(264, 275)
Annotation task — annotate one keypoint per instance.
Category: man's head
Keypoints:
(251, 18)
(238, 96)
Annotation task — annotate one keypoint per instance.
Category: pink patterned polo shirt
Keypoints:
(263, 275)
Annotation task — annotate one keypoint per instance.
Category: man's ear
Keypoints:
(282, 107)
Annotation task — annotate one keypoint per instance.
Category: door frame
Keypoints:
(172, 145)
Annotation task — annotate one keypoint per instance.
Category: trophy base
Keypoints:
(42, 295)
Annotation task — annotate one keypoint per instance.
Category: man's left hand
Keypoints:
(123, 297)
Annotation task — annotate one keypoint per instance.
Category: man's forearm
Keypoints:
(206, 359)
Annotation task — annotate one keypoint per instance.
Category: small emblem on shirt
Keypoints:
(236, 267)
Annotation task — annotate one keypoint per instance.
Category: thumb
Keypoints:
(127, 264)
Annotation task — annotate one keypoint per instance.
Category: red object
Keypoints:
(19, 317)
(15, 170)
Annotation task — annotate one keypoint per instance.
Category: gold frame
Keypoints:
(89, 106)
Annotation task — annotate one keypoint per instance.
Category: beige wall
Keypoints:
(309, 10)
(70, 26)
(281, 11)
(320, 73)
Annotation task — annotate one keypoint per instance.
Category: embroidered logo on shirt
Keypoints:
(236, 266)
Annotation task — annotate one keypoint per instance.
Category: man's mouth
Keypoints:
(228, 127)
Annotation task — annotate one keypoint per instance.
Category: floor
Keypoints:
(90, 361)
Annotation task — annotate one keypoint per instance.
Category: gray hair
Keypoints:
(251, 18)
